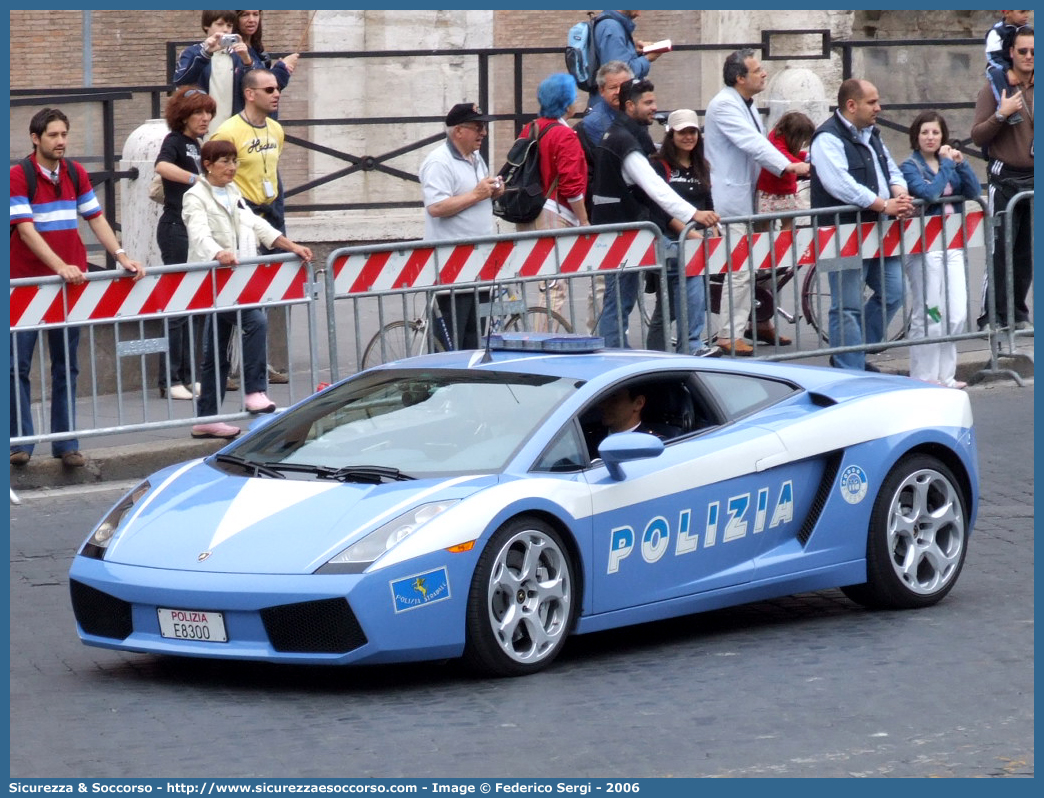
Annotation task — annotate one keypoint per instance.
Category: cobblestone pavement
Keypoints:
(810, 685)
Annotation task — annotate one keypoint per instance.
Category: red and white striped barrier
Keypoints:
(120, 298)
(805, 245)
(425, 265)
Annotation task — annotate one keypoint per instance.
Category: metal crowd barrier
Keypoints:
(393, 300)
(787, 268)
(124, 331)
(1002, 338)
(419, 296)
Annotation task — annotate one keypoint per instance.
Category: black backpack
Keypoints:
(29, 168)
(523, 196)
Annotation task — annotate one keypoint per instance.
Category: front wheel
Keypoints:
(522, 600)
(918, 537)
(397, 340)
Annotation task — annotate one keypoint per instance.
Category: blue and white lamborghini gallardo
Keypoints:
(473, 504)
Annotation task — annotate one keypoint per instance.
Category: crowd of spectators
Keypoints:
(604, 169)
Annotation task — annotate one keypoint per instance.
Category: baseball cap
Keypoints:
(682, 119)
(464, 112)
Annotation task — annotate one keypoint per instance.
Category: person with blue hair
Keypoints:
(563, 168)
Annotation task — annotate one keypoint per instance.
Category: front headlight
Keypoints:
(355, 558)
(98, 542)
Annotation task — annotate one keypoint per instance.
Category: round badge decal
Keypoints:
(854, 484)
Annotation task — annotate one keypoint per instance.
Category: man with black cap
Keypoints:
(458, 203)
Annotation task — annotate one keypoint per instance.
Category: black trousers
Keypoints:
(1002, 188)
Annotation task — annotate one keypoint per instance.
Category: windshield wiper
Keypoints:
(256, 469)
(369, 473)
(364, 473)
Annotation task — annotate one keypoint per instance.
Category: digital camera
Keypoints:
(229, 39)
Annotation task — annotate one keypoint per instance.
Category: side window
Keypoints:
(740, 394)
(566, 452)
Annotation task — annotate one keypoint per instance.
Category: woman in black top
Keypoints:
(188, 116)
(681, 162)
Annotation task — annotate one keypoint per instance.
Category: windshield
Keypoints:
(406, 424)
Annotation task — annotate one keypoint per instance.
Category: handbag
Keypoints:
(156, 189)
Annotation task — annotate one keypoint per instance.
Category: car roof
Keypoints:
(607, 365)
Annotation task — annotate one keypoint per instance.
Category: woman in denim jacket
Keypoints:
(936, 280)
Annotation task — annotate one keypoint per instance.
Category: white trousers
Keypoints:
(735, 292)
(938, 291)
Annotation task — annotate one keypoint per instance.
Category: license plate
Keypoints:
(203, 625)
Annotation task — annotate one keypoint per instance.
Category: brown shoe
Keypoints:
(19, 458)
(276, 377)
(767, 334)
(737, 347)
(73, 459)
(231, 384)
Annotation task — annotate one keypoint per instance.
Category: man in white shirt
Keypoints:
(458, 204)
(852, 166)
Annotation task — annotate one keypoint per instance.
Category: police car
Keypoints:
(474, 504)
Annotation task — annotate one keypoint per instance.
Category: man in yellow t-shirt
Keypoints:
(259, 141)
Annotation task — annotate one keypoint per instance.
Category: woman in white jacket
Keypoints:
(222, 228)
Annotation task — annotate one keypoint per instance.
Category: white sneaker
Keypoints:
(259, 403)
(195, 388)
(179, 391)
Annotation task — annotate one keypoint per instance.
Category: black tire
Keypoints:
(918, 537)
(538, 317)
(517, 623)
(401, 339)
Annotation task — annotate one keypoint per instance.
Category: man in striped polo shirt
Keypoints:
(45, 200)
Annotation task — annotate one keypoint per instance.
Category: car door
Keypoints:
(690, 519)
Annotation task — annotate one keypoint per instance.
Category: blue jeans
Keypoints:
(255, 357)
(62, 345)
(696, 302)
(621, 293)
(849, 316)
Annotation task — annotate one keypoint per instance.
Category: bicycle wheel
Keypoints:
(400, 339)
(538, 318)
(815, 305)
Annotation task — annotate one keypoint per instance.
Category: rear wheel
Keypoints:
(918, 537)
(815, 307)
(522, 602)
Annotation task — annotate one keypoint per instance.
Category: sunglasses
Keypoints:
(1024, 50)
(193, 92)
(265, 89)
(478, 127)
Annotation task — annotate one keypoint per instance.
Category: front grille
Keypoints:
(99, 613)
(327, 626)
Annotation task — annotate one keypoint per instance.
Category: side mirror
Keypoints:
(622, 447)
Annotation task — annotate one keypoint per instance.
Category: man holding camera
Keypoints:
(458, 203)
(1010, 172)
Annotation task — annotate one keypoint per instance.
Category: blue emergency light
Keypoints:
(546, 342)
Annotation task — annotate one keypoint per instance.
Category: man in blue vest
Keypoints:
(852, 166)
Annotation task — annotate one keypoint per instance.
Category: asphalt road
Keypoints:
(811, 685)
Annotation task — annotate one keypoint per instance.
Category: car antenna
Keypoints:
(487, 357)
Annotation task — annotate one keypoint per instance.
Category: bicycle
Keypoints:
(428, 331)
